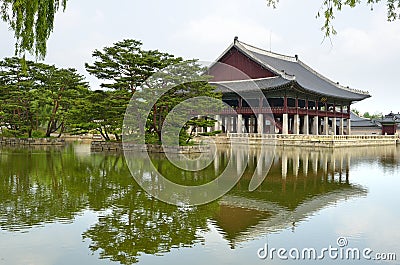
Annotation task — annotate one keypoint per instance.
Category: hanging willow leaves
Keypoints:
(32, 22)
(330, 7)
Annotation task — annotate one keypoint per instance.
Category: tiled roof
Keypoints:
(357, 121)
(292, 69)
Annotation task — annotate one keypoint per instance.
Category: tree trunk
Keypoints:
(62, 130)
(50, 124)
(159, 136)
(103, 134)
(191, 134)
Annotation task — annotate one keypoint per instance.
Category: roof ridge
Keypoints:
(270, 53)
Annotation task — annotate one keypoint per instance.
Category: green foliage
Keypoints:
(200, 123)
(38, 134)
(36, 96)
(102, 111)
(330, 7)
(173, 86)
(376, 115)
(32, 22)
(213, 133)
(367, 115)
(125, 66)
(356, 111)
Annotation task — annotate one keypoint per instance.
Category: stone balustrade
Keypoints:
(313, 140)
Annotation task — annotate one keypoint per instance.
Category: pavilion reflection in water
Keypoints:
(300, 183)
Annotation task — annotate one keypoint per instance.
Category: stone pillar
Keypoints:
(216, 124)
(296, 124)
(227, 123)
(326, 126)
(334, 126)
(315, 125)
(306, 125)
(239, 123)
(348, 127)
(260, 123)
(341, 126)
(285, 124)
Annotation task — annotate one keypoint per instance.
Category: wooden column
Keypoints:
(285, 105)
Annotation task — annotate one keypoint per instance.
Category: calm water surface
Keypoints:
(70, 206)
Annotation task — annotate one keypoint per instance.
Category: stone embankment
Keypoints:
(101, 146)
(5, 141)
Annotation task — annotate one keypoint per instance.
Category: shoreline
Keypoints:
(6, 141)
(327, 141)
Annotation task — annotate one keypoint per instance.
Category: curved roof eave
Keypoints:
(306, 90)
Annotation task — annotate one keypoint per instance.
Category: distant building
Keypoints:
(364, 126)
(390, 123)
(387, 125)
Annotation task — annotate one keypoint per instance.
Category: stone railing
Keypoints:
(5, 141)
(314, 140)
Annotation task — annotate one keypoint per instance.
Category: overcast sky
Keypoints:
(363, 55)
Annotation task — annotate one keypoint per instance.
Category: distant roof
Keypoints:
(391, 118)
(292, 69)
(357, 121)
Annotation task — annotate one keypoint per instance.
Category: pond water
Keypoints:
(70, 206)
